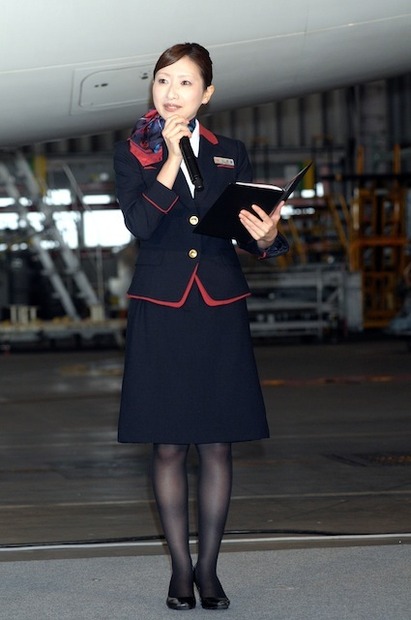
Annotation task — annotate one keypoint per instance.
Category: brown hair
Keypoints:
(197, 53)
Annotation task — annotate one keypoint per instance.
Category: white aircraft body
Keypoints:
(76, 67)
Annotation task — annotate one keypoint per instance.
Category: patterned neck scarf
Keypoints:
(146, 140)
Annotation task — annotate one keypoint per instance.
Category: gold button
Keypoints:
(193, 220)
(193, 253)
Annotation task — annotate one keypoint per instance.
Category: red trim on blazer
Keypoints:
(206, 297)
(217, 302)
(158, 207)
(208, 135)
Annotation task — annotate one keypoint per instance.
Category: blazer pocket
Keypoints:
(226, 258)
(149, 257)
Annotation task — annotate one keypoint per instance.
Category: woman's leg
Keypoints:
(214, 492)
(170, 486)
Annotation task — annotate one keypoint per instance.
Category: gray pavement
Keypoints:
(357, 583)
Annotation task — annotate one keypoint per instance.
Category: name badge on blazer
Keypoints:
(226, 162)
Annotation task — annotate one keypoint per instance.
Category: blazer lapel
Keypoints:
(213, 185)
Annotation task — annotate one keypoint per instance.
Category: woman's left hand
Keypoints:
(264, 227)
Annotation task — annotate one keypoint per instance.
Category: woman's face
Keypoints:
(179, 89)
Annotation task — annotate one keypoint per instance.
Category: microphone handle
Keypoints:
(191, 163)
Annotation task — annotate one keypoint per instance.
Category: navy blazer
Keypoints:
(162, 220)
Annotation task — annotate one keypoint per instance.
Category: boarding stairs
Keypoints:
(21, 184)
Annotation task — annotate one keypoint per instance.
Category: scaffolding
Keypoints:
(378, 239)
(15, 173)
(83, 311)
(312, 301)
(361, 224)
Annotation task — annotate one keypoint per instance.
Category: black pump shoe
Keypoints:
(181, 603)
(212, 602)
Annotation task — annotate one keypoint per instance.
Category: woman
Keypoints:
(190, 375)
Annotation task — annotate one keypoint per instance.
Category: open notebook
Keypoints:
(221, 220)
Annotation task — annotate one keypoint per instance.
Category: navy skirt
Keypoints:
(190, 375)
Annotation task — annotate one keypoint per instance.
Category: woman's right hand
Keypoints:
(175, 128)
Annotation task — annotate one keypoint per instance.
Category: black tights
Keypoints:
(170, 485)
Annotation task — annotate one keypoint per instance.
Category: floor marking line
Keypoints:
(232, 541)
(133, 502)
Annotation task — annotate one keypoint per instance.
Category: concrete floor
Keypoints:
(338, 461)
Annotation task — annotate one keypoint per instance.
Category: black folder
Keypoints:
(222, 220)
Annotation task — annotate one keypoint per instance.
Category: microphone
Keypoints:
(191, 163)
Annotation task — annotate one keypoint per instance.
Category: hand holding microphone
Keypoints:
(178, 144)
(191, 163)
